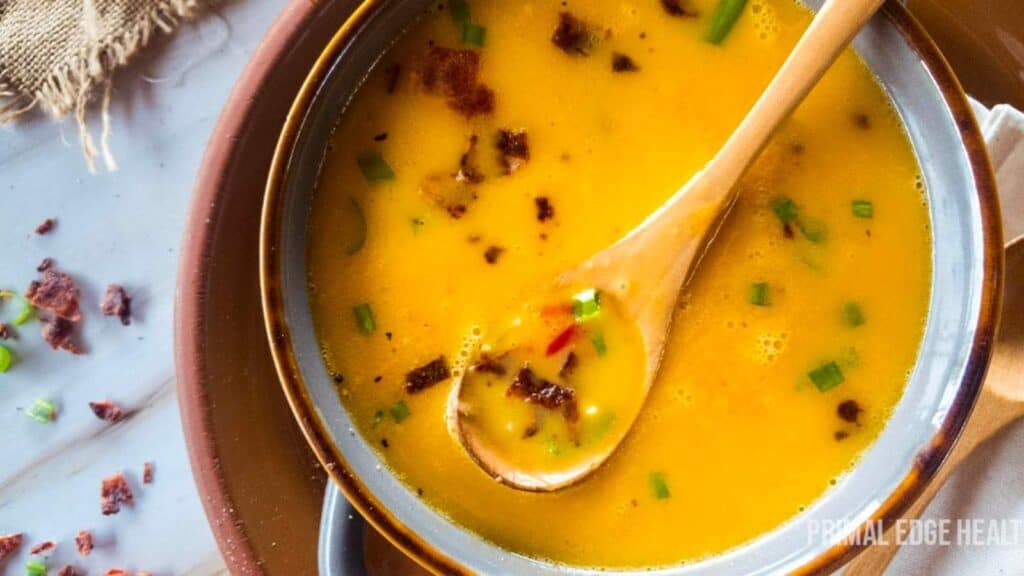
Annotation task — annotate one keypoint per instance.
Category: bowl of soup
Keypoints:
(443, 158)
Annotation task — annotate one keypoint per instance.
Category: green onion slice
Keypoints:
(474, 34)
(364, 318)
(597, 339)
(784, 209)
(42, 411)
(399, 411)
(6, 359)
(827, 376)
(586, 305)
(35, 568)
(814, 231)
(659, 487)
(862, 209)
(374, 167)
(759, 294)
(853, 314)
(723, 19)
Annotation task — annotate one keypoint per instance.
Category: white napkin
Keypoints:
(1003, 128)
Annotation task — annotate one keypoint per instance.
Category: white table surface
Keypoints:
(125, 227)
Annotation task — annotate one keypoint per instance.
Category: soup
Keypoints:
(499, 143)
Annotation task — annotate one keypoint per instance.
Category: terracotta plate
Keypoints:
(261, 486)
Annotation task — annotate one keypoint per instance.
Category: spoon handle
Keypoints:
(834, 26)
(991, 414)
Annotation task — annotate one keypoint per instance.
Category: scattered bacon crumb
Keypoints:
(5, 332)
(676, 8)
(116, 302)
(57, 293)
(46, 226)
(455, 73)
(83, 541)
(623, 63)
(69, 570)
(536, 390)
(515, 149)
(107, 410)
(849, 411)
(545, 211)
(117, 572)
(147, 472)
(115, 491)
(573, 36)
(427, 375)
(571, 362)
(42, 548)
(57, 333)
(492, 254)
(45, 265)
(8, 545)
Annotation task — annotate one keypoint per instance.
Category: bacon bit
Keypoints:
(45, 265)
(117, 572)
(535, 390)
(449, 194)
(515, 149)
(42, 548)
(5, 332)
(9, 544)
(849, 411)
(115, 491)
(545, 211)
(623, 63)
(57, 333)
(107, 410)
(69, 570)
(83, 541)
(569, 366)
(57, 294)
(488, 365)
(573, 36)
(147, 472)
(427, 375)
(561, 341)
(116, 302)
(841, 435)
(454, 73)
(468, 172)
(676, 8)
(492, 254)
(787, 231)
(46, 226)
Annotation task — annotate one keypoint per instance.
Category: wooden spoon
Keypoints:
(1000, 403)
(646, 269)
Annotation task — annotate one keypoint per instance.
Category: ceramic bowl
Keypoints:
(966, 261)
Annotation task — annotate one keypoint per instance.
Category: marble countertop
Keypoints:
(125, 227)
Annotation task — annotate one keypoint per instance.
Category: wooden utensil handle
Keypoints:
(991, 414)
(832, 29)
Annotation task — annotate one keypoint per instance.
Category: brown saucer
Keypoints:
(261, 486)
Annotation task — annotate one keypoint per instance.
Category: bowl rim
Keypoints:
(925, 464)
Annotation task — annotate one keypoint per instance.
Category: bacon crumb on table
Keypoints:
(42, 548)
(57, 333)
(107, 410)
(115, 491)
(69, 570)
(147, 473)
(116, 302)
(57, 294)
(5, 332)
(45, 265)
(9, 544)
(83, 541)
(46, 226)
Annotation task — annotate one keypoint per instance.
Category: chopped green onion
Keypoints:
(399, 411)
(814, 231)
(659, 487)
(378, 417)
(35, 568)
(374, 167)
(586, 305)
(364, 318)
(474, 34)
(785, 209)
(759, 294)
(723, 19)
(827, 376)
(863, 209)
(597, 339)
(359, 232)
(25, 314)
(853, 315)
(6, 359)
(460, 11)
(42, 411)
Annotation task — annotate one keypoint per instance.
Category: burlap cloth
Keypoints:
(60, 54)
